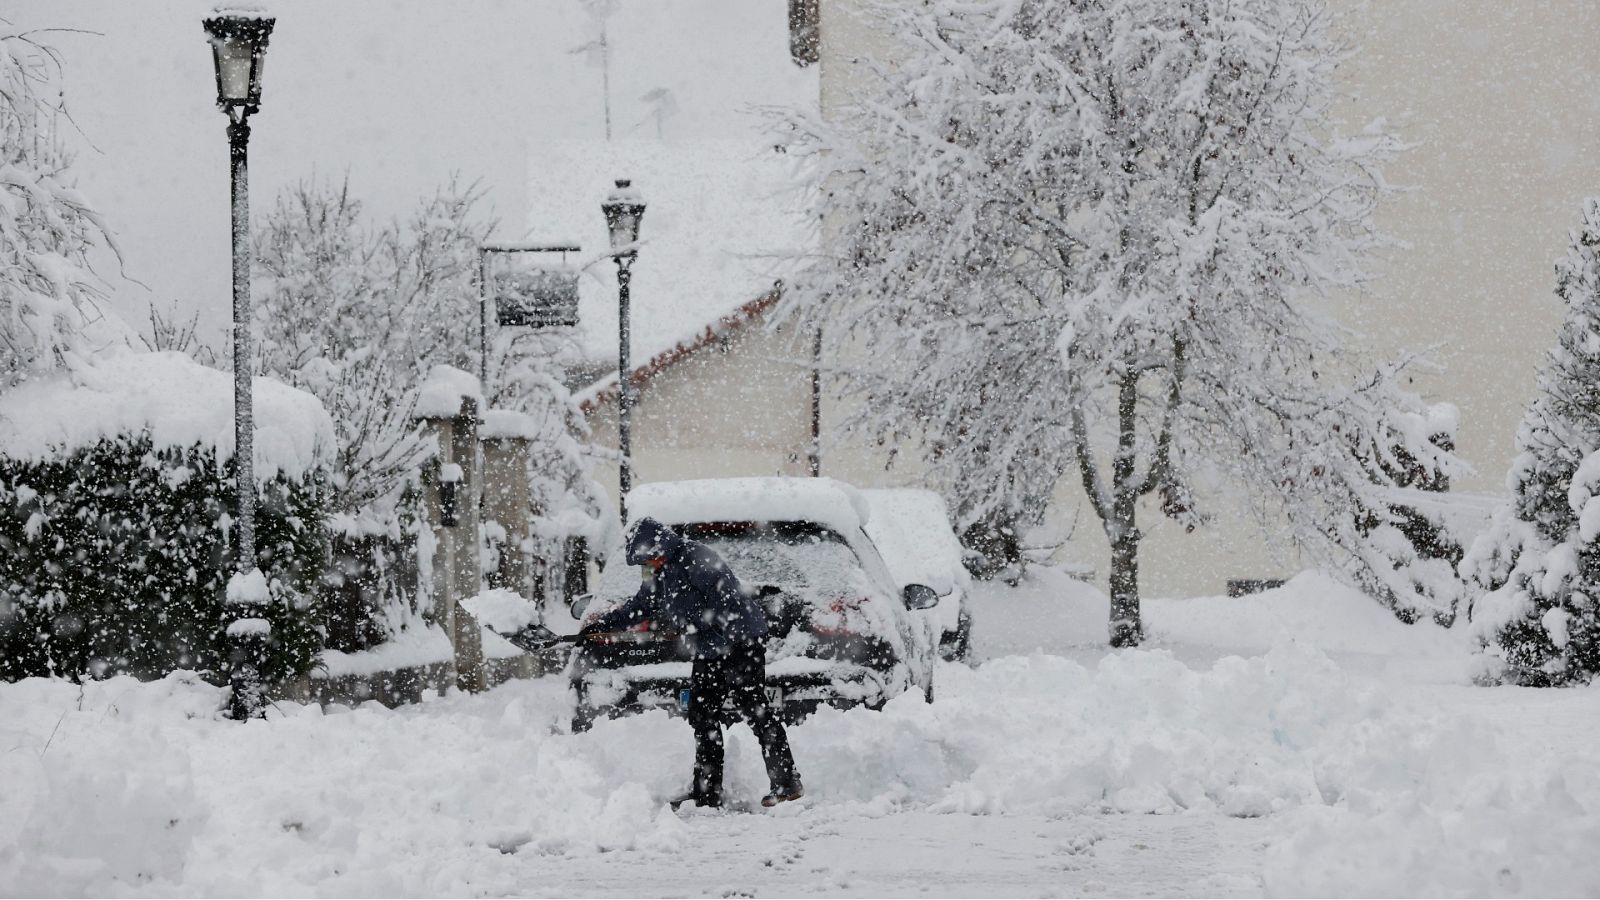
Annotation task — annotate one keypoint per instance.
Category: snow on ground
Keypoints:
(1290, 743)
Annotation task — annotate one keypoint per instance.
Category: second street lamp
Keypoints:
(624, 208)
(238, 45)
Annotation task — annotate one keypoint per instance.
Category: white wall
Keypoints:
(738, 407)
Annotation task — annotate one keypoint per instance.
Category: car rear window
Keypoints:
(802, 558)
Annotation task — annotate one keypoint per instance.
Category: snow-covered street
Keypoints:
(1236, 757)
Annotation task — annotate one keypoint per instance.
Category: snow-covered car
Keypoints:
(912, 530)
(843, 632)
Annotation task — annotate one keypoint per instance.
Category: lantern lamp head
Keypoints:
(624, 209)
(238, 46)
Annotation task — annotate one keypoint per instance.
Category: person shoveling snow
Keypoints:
(693, 591)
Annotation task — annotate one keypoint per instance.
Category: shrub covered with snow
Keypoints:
(115, 559)
(1406, 528)
(1537, 569)
(369, 591)
(116, 503)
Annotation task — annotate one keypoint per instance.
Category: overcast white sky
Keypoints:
(399, 93)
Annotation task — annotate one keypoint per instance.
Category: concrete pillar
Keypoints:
(451, 488)
(506, 495)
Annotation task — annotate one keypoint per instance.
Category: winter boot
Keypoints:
(783, 795)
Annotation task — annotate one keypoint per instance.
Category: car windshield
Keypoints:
(803, 559)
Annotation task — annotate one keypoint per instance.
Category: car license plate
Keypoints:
(774, 696)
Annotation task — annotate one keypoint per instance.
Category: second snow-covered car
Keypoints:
(911, 527)
(842, 631)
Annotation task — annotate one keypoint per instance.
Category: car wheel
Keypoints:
(955, 645)
(583, 719)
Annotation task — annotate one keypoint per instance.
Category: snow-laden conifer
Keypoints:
(1085, 239)
(47, 228)
(1536, 571)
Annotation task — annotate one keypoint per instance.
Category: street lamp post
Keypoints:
(238, 44)
(624, 208)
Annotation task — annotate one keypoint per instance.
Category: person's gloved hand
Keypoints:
(590, 627)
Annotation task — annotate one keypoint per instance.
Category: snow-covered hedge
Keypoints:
(369, 592)
(116, 506)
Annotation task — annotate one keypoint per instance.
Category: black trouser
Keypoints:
(728, 689)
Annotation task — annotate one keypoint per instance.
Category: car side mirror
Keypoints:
(920, 596)
(580, 604)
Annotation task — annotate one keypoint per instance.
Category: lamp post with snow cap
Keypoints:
(624, 209)
(238, 37)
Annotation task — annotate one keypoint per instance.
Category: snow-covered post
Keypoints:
(447, 407)
(506, 436)
(238, 44)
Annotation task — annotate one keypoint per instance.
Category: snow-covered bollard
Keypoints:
(447, 407)
(248, 633)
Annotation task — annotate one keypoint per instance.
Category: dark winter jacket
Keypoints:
(694, 593)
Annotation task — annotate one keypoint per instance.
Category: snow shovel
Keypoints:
(534, 643)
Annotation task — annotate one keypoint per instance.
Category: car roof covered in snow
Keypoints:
(824, 501)
(912, 531)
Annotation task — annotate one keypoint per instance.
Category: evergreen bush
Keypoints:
(1536, 571)
(115, 559)
(369, 590)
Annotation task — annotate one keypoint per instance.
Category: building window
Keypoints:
(804, 30)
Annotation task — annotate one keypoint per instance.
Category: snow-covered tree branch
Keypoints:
(358, 314)
(48, 294)
(1085, 239)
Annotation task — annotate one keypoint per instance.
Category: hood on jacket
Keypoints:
(648, 539)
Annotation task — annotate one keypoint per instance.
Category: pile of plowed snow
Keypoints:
(1051, 611)
(122, 787)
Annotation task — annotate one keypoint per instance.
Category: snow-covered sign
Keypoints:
(527, 290)
(537, 298)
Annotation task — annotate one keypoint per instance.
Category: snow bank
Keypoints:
(1311, 608)
(1054, 612)
(178, 401)
(1375, 794)
(410, 648)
